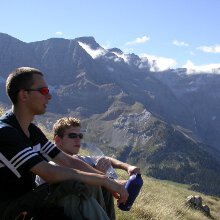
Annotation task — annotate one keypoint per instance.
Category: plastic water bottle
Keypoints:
(133, 186)
(96, 154)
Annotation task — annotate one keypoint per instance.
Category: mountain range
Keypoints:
(165, 122)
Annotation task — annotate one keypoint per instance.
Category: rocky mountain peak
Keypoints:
(89, 41)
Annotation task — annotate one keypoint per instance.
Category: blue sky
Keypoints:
(177, 33)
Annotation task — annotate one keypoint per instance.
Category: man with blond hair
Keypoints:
(67, 137)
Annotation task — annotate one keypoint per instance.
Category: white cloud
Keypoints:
(93, 53)
(159, 63)
(180, 43)
(209, 68)
(139, 40)
(210, 49)
(59, 33)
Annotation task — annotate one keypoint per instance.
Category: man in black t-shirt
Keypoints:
(18, 154)
(25, 152)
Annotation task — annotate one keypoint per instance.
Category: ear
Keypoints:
(22, 95)
(57, 140)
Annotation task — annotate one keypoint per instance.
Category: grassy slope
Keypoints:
(166, 201)
(1, 110)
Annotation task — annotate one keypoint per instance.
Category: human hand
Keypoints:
(103, 164)
(117, 188)
(133, 169)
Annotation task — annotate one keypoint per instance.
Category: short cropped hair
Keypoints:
(61, 125)
(20, 78)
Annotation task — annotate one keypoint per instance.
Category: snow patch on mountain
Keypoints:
(53, 89)
(122, 56)
(93, 53)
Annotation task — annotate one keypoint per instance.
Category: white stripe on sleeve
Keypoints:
(9, 165)
(20, 152)
(25, 159)
(22, 157)
(48, 147)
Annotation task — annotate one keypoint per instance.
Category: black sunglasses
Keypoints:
(75, 135)
(42, 90)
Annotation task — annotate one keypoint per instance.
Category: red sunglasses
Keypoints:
(42, 90)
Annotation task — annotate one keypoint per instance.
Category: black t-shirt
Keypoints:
(18, 154)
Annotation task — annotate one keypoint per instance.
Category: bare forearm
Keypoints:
(73, 162)
(124, 166)
(118, 164)
(55, 174)
(93, 179)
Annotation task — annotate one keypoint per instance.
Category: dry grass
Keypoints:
(162, 200)
(2, 110)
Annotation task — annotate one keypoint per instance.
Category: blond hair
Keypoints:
(64, 123)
